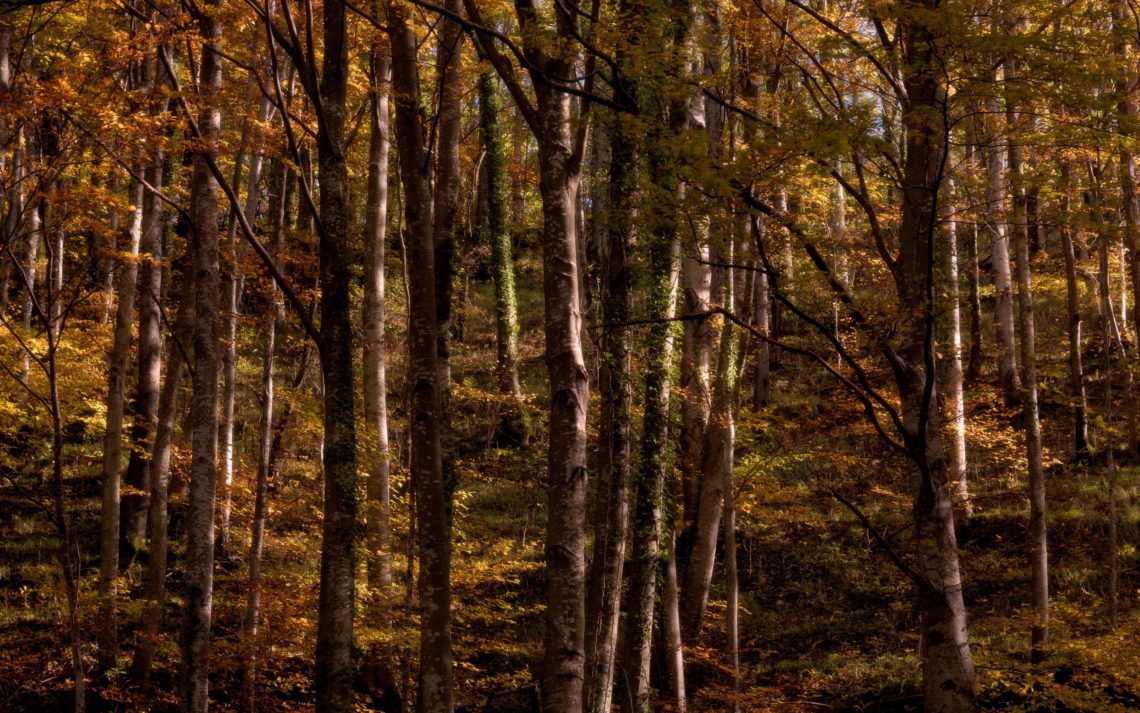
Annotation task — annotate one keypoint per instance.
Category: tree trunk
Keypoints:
(154, 578)
(446, 192)
(1077, 395)
(499, 236)
(603, 601)
(113, 440)
(973, 270)
(1008, 377)
(149, 384)
(762, 320)
(433, 506)
(252, 620)
(1038, 539)
(338, 579)
(947, 665)
(715, 466)
(204, 402)
(569, 398)
(695, 362)
(378, 515)
(233, 281)
(956, 397)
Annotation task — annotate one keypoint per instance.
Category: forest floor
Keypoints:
(827, 622)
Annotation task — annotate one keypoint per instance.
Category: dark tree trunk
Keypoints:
(338, 532)
(432, 507)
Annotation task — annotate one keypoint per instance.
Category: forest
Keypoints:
(444, 356)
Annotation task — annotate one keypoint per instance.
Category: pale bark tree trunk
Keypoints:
(715, 467)
(671, 621)
(1038, 538)
(1008, 377)
(113, 438)
(378, 515)
(154, 578)
(435, 681)
(956, 398)
(762, 320)
(1077, 393)
(1127, 112)
(569, 397)
(696, 356)
(110, 245)
(338, 551)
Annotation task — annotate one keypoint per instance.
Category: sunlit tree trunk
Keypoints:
(996, 216)
(956, 397)
(378, 515)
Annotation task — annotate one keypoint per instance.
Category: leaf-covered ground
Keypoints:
(827, 623)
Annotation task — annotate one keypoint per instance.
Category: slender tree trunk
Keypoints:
(1077, 395)
(1038, 539)
(446, 192)
(110, 245)
(762, 320)
(499, 236)
(715, 466)
(433, 511)
(1008, 377)
(651, 475)
(956, 397)
(252, 620)
(232, 288)
(149, 384)
(671, 621)
(695, 362)
(378, 515)
(603, 600)
(1109, 441)
(154, 578)
(973, 270)
(204, 403)
(113, 440)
